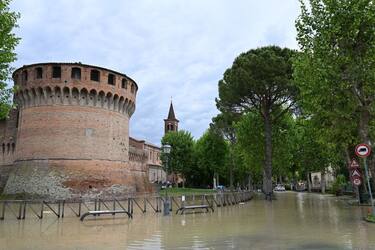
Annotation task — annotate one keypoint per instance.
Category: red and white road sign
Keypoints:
(354, 164)
(362, 150)
(356, 173)
(357, 181)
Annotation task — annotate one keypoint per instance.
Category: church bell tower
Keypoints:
(171, 123)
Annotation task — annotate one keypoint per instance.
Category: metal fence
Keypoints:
(21, 209)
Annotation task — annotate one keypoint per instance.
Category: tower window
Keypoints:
(39, 73)
(95, 75)
(111, 79)
(124, 84)
(76, 73)
(132, 88)
(56, 72)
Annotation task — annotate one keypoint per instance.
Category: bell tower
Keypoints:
(171, 123)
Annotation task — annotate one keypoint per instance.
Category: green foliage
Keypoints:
(212, 153)
(186, 191)
(250, 133)
(310, 152)
(339, 184)
(181, 158)
(335, 71)
(8, 42)
(260, 82)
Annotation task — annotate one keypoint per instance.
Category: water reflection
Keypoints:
(293, 221)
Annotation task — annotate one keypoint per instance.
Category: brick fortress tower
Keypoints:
(72, 132)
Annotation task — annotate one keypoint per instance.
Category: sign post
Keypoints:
(363, 150)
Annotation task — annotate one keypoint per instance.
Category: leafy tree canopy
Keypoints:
(8, 42)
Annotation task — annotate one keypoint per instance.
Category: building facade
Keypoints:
(155, 171)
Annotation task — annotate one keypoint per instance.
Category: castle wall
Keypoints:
(76, 179)
(72, 132)
(8, 139)
(72, 139)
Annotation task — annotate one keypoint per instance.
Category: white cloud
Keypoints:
(171, 48)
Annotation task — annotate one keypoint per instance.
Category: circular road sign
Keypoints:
(357, 181)
(362, 150)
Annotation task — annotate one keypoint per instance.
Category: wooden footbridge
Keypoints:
(20, 209)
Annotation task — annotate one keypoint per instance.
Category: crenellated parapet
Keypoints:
(42, 96)
(74, 84)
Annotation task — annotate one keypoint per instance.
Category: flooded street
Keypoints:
(293, 221)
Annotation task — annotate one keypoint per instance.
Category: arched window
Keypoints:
(111, 79)
(13, 147)
(3, 148)
(39, 73)
(124, 84)
(76, 73)
(24, 76)
(56, 72)
(132, 88)
(95, 75)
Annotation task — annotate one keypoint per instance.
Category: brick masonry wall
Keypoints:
(72, 132)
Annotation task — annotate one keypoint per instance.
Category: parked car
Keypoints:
(279, 187)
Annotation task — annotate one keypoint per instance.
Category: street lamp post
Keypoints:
(166, 150)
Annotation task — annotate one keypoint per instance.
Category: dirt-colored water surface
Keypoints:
(293, 221)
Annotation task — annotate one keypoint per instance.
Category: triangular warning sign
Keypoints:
(356, 173)
(354, 164)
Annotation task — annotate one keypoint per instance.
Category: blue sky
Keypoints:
(171, 48)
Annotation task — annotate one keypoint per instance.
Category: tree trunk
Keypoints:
(364, 125)
(323, 181)
(308, 182)
(249, 183)
(231, 172)
(268, 156)
(364, 135)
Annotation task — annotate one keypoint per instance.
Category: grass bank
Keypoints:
(186, 191)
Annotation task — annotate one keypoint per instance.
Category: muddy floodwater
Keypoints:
(293, 221)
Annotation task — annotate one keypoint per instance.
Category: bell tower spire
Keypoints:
(171, 123)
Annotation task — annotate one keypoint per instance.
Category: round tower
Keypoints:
(73, 131)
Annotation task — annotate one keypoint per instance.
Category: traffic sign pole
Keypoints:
(369, 187)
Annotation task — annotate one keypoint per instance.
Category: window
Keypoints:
(24, 75)
(95, 75)
(111, 79)
(56, 72)
(124, 84)
(133, 88)
(39, 73)
(76, 73)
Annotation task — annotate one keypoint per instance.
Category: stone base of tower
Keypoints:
(76, 179)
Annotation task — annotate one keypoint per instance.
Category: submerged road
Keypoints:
(293, 221)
